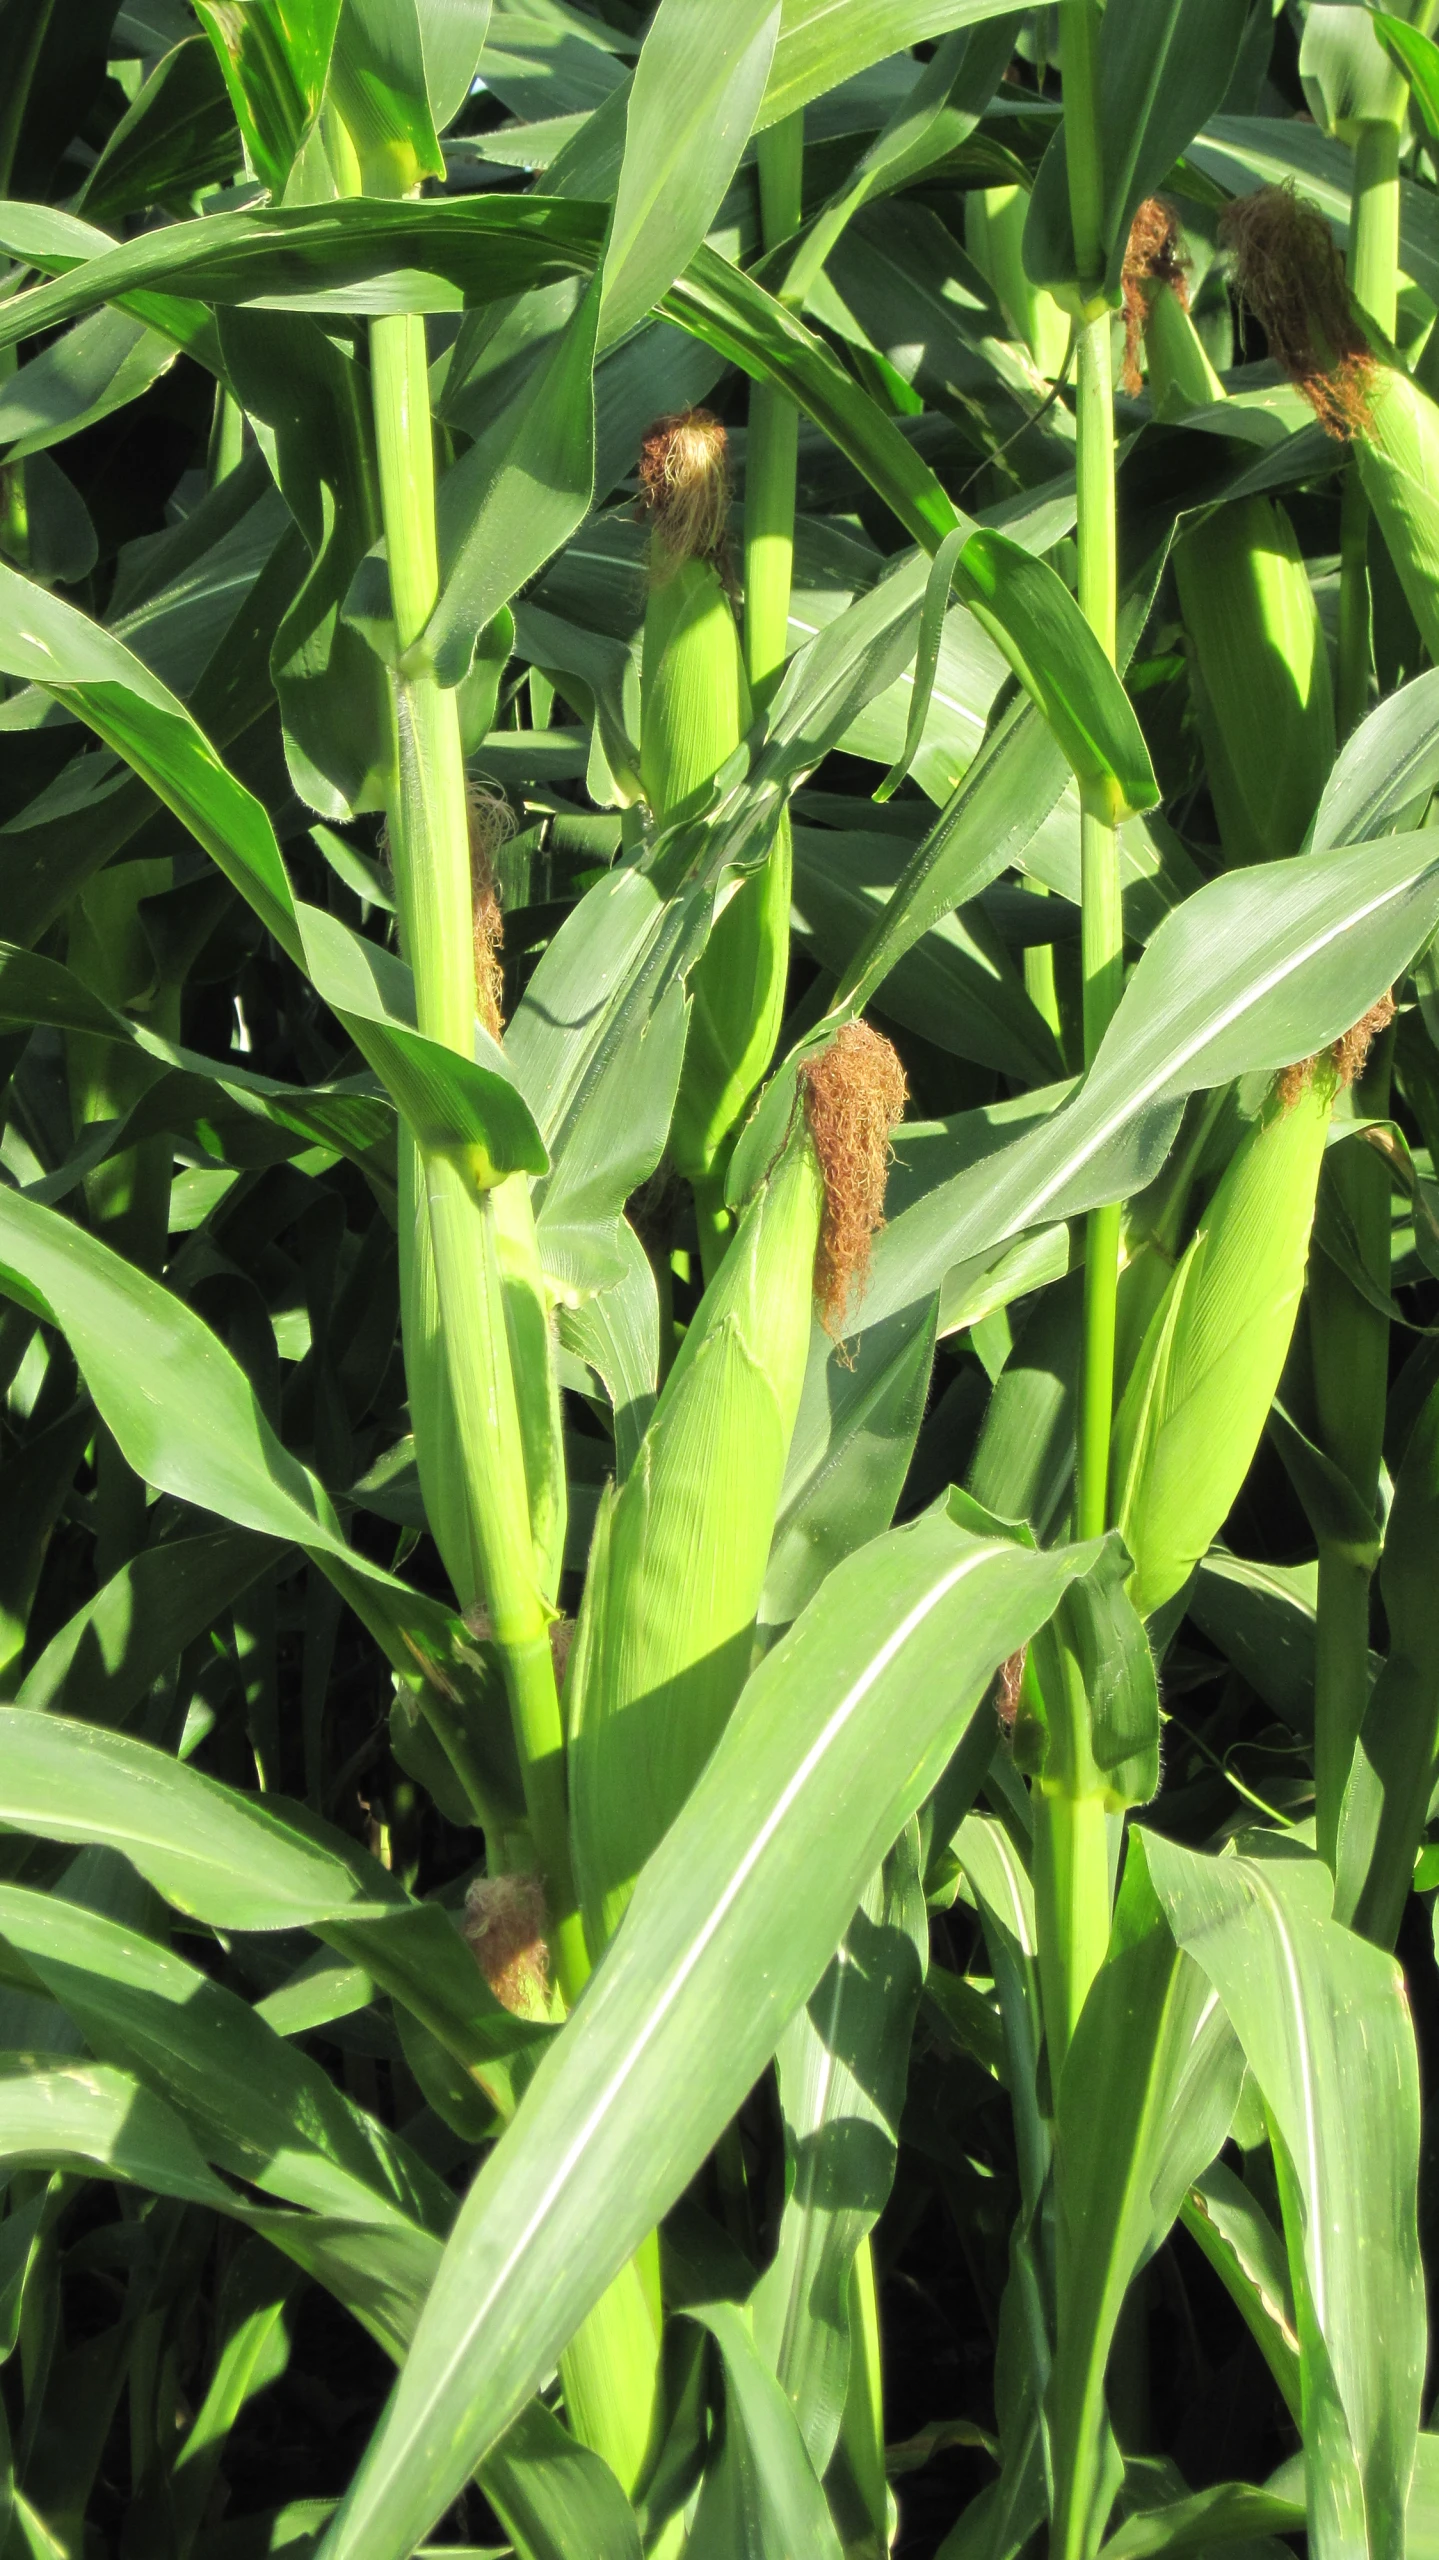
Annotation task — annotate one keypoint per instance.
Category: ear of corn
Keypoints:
(1398, 455)
(694, 703)
(666, 1629)
(1262, 684)
(1195, 1405)
(994, 219)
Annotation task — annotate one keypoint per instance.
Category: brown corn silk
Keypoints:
(505, 1926)
(854, 1098)
(1153, 256)
(1288, 272)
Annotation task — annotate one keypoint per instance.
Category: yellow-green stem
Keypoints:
(429, 838)
(1071, 1905)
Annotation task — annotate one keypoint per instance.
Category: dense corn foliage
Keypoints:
(719, 1275)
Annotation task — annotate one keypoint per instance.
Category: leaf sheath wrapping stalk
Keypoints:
(665, 1633)
(1206, 1376)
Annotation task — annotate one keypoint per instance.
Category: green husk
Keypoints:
(666, 1627)
(1261, 676)
(1195, 1406)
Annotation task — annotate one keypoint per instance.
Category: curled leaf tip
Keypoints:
(854, 1098)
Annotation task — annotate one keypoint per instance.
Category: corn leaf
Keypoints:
(1319, 2013)
(275, 59)
(822, 42)
(1164, 66)
(718, 1906)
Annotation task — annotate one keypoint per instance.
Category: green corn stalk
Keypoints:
(993, 234)
(665, 1633)
(1261, 676)
(1206, 1375)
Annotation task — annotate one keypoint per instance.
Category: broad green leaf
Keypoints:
(240, 1862)
(1164, 67)
(522, 489)
(849, 1455)
(314, 398)
(697, 85)
(822, 42)
(1418, 58)
(377, 83)
(257, 2106)
(743, 323)
(1026, 607)
(480, 247)
(841, 2063)
(449, 1101)
(98, 366)
(1229, 2512)
(104, 1659)
(1321, 2014)
(251, 2315)
(555, 2498)
(756, 1882)
(1386, 1803)
(1230, 2225)
(762, 2493)
(275, 58)
(452, 34)
(1259, 968)
(1385, 771)
(1351, 76)
(1146, 2099)
(177, 137)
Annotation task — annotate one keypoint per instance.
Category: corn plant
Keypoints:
(719, 1252)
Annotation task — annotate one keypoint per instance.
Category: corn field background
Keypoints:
(719, 1279)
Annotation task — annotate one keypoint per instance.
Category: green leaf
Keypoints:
(697, 86)
(377, 82)
(1418, 58)
(842, 2063)
(98, 366)
(522, 489)
(314, 398)
(762, 2493)
(849, 1455)
(1247, 2254)
(275, 55)
(178, 136)
(257, 2106)
(1386, 1806)
(1229, 2512)
(822, 42)
(555, 2498)
(1385, 769)
(452, 33)
(1164, 67)
(743, 323)
(1320, 2014)
(104, 1659)
(240, 1862)
(756, 1881)
(481, 248)
(1257, 969)
(1146, 2098)
(1025, 606)
(449, 1101)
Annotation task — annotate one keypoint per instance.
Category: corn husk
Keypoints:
(737, 992)
(666, 1629)
(1196, 1403)
(1398, 454)
(1261, 676)
(1181, 376)
(694, 703)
